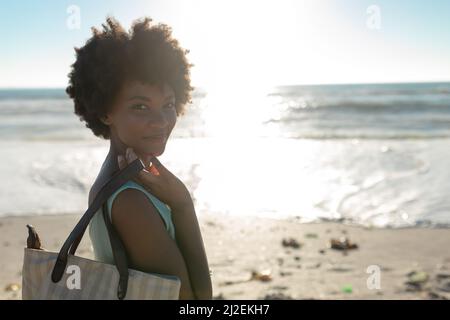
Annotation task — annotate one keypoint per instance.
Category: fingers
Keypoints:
(130, 155)
(154, 166)
(145, 175)
(121, 162)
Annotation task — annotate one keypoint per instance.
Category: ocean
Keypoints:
(371, 154)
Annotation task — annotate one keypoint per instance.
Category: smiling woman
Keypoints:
(142, 117)
(130, 88)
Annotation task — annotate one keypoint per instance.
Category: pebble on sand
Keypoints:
(342, 244)
(291, 242)
(12, 287)
(276, 296)
(265, 275)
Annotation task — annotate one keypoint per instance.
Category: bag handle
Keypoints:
(105, 192)
(119, 254)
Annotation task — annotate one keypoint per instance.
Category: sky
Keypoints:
(243, 43)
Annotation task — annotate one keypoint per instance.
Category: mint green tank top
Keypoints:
(97, 228)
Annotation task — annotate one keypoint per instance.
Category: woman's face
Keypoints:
(142, 117)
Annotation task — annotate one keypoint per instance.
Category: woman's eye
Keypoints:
(140, 106)
(144, 107)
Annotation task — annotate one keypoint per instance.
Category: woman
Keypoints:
(130, 88)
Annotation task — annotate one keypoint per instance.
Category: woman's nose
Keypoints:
(157, 119)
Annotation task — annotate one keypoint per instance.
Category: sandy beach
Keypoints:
(250, 260)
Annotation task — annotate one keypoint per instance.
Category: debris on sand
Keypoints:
(265, 275)
(342, 244)
(444, 286)
(436, 288)
(291, 242)
(416, 280)
(340, 267)
(443, 282)
(441, 276)
(347, 288)
(12, 287)
(280, 261)
(276, 296)
(436, 296)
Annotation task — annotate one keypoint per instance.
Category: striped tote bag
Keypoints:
(63, 275)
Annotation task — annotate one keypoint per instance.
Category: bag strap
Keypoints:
(76, 242)
(119, 254)
(105, 192)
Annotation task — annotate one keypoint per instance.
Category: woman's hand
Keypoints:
(159, 181)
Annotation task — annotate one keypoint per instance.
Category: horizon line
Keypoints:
(277, 85)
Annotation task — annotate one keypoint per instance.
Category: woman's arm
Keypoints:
(172, 191)
(147, 242)
(190, 242)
